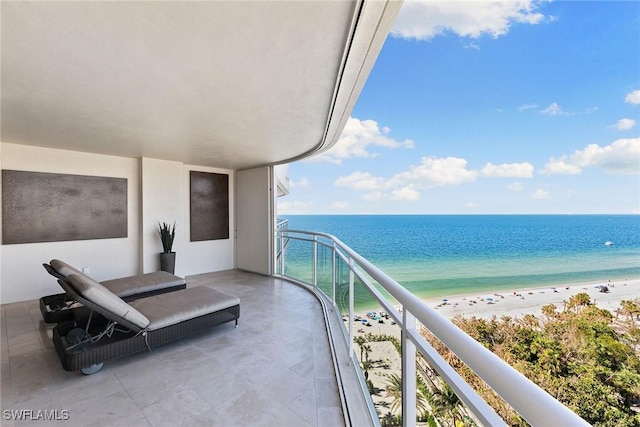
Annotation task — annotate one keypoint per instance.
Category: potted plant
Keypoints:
(167, 257)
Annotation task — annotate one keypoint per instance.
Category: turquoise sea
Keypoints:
(438, 255)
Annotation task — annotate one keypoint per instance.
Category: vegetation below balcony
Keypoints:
(584, 356)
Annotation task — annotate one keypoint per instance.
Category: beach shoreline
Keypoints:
(518, 302)
(522, 301)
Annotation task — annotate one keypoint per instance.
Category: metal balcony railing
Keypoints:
(342, 276)
(281, 243)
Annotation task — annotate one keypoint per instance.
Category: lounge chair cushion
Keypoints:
(175, 307)
(150, 282)
(99, 295)
(63, 268)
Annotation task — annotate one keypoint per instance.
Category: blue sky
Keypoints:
(515, 107)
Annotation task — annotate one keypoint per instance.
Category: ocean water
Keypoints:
(439, 255)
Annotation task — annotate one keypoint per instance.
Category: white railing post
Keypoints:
(333, 273)
(351, 308)
(282, 247)
(314, 268)
(409, 386)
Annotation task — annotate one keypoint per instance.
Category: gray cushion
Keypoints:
(175, 307)
(127, 286)
(63, 268)
(101, 296)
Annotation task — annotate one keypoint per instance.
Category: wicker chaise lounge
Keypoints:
(116, 328)
(55, 308)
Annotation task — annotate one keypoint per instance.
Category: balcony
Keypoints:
(276, 368)
(294, 360)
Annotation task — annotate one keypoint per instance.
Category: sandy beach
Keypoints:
(519, 302)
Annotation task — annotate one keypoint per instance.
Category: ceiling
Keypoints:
(233, 84)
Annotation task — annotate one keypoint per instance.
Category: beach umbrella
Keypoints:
(489, 299)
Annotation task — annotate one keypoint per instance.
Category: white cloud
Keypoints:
(374, 196)
(540, 195)
(471, 205)
(356, 138)
(554, 110)
(624, 124)
(432, 172)
(526, 107)
(293, 207)
(408, 193)
(508, 170)
(340, 206)
(302, 183)
(633, 97)
(560, 166)
(436, 172)
(622, 156)
(471, 45)
(361, 181)
(425, 19)
(515, 186)
(405, 186)
(377, 188)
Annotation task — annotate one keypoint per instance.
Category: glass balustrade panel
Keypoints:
(377, 346)
(298, 263)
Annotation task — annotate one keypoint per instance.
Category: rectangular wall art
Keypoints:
(51, 207)
(209, 206)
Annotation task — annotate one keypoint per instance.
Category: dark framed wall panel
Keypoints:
(209, 206)
(51, 207)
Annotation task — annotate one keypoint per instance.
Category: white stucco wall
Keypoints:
(166, 198)
(157, 190)
(163, 191)
(255, 223)
(21, 274)
(210, 255)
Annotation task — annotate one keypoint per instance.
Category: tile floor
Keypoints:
(275, 369)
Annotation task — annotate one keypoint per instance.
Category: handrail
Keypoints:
(534, 404)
